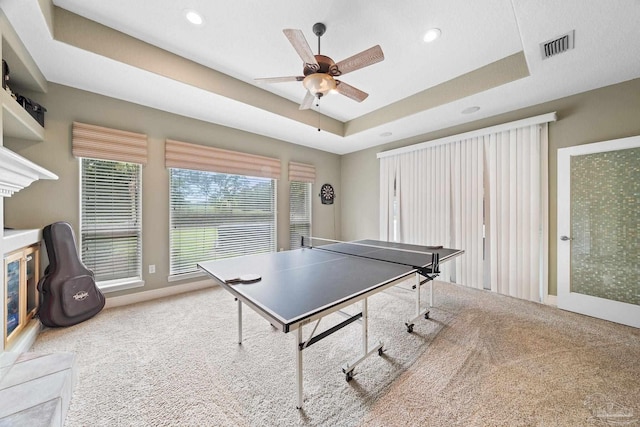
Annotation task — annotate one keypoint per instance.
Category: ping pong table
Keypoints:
(294, 288)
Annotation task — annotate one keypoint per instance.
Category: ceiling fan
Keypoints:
(320, 70)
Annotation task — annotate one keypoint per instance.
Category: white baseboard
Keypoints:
(551, 300)
(158, 293)
(27, 337)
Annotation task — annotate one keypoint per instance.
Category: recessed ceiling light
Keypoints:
(431, 35)
(385, 134)
(194, 17)
(470, 110)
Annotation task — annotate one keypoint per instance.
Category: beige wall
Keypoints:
(599, 115)
(607, 113)
(45, 202)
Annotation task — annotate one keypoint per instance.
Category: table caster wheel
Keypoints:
(426, 315)
(380, 351)
(410, 328)
(349, 376)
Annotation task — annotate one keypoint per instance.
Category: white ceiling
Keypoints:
(245, 40)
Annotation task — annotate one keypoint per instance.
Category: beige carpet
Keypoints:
(482, 360)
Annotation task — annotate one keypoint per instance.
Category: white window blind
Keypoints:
(218, 215)
(301, 177)
(484, 191)
(299, 212)
(111, 225)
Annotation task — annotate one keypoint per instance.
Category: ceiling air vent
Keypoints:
(557, 45)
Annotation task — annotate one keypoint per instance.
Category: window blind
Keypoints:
(98, 142)
(484, 191)
(183, 155)
(217, 215)
(299, 212)
(111, 225)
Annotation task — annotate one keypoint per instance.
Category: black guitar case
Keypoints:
(68, 290)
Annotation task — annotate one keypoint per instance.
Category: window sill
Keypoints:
(120, 284)
(186, 276)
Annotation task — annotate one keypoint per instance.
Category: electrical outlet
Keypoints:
(152, 268)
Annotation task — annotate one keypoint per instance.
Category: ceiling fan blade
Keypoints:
(280, 79)
(350, 91)
(307, 102)
(360, 60)
(300, 44)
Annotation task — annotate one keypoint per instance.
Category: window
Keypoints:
(218, 215)
(111, 225)
(299, 212)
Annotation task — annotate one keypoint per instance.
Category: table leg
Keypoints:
(365, 327)
(298, 351)
(366, 352)
(418, 294)
(431, 293)
(419, 312)
(239, 321)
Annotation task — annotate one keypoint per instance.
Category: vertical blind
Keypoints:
(484, 192)
(111, 211)
(415, 201)
(518, 211)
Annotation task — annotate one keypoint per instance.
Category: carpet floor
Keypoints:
(481, 360)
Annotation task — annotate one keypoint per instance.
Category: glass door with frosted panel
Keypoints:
(599, 230)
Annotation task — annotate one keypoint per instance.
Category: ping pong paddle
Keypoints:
(244, 278)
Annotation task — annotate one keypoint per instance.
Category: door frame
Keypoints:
(615, 311)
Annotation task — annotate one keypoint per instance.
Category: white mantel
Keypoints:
(17, 173)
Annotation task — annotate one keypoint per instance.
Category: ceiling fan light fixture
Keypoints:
(319, 83)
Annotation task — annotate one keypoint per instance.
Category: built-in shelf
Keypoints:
(17, 122)
(24, 75)
(16, 239)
